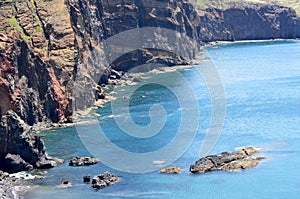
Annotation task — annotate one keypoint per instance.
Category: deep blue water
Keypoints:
(262, 85)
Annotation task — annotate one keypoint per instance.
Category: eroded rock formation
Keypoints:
(20, 148)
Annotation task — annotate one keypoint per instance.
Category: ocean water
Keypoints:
(262, 87)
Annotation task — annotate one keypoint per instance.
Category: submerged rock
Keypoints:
(65, 184)
(104, 179)
(83, 161)
(227, 161)
(171, 170)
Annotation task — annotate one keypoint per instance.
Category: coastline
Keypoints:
(21, 186)
(17, 190)
(16, 185)
(81, 117)
(41, 58)
(226, 43)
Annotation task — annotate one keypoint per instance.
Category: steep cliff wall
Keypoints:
(95, 21)
(37, 43)
(46, 45)
(37, 59)
(248, 23)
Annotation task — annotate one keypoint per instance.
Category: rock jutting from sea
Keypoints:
(83, 161)
(227, 161)
(171, 170)
(103, 180)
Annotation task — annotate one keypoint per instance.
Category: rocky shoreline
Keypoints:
(12, 187)
(15, 186)
(48, 48)
(44, 59)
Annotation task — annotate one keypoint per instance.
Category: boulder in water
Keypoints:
(171, 170)
(227, 161)
(83, 161)
(104, 179)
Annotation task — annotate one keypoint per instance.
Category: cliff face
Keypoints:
(253, 23)
(37, 59)
(96, 21)
(46, 45)
(20, 149)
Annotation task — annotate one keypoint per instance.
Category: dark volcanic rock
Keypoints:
(103, 180)
(16, 163)
(87, 179)
(20, 149)
(65, 184)
(249, 23)
(227, 161)
(83, 161)
(201, 166)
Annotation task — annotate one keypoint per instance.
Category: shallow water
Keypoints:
(262, 85)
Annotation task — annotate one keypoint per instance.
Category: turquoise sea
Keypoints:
(262, 86)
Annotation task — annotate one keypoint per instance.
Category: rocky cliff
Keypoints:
(248, 23)
(45, 45)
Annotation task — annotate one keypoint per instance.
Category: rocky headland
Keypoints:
(49, 47)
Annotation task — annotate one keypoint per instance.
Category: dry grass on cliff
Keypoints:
(223, 4)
